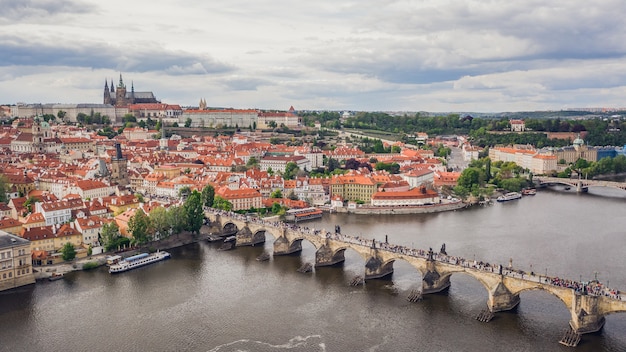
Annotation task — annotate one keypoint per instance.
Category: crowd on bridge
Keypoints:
(591, 288)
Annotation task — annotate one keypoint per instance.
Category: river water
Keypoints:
(204, 299)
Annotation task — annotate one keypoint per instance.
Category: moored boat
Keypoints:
(509, 196)
(55, 276)
(529, 192)
(137, 261)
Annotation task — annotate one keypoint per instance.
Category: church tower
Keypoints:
(107, 93)
(120, 94)
(119, 169)
(38, 137)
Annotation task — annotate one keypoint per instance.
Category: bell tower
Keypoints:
(120, 94)
(119, 169)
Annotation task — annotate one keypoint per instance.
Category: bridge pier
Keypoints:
(501, 299)
(433, 281)
(283, 247)
(585, 316)
(245, 237)
(327, 257)
(376, 269)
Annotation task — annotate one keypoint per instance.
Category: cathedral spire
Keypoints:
(121, 85)
(112, 89)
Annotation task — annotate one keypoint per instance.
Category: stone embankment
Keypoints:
(44, 272)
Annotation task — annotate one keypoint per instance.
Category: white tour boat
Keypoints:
(509, 196)
(138, 260)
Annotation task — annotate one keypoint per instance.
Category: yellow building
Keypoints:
(15, 262)
(353, 187)
(52, 238)
(11, 226)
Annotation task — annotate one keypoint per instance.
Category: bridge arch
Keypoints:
(229, 228)
(487, 285)
(564, 295)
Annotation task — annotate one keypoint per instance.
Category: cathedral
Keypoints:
(120, 97)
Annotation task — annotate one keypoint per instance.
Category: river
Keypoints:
(204, 299)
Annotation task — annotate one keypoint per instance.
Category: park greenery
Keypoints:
(590, 169)
(482, 178)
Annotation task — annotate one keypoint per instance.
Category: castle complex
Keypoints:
(122, 98)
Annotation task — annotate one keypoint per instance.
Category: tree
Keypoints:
(159, 221)
(3, 188)
(333, 164)
(68, 252)
(277, 194)
(109, 233)
(272, 124)
(129, 118)
(176, 219)
(253, 162)
(138, 226)
(140, 198)
(184, 192)
(61, 115)
(208, 193)
(188, 122)
(193, 212)
(223, 204)
(352, 164)
(292, 195)
(29, 203)
(291, 169)
(276, 208)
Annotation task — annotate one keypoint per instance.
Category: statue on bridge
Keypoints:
(430, 254)
(443, 249)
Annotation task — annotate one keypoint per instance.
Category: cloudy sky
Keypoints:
(430, 55)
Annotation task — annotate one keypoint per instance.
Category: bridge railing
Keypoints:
(595, 287)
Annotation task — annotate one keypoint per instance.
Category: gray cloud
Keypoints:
(21, 10)
(245, 83)
(139, 58)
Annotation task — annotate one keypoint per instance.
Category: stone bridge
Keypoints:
(581, 185)
(503, 286)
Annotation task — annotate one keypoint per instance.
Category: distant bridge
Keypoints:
(503, 285)
(581, 185)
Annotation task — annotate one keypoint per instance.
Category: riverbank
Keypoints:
(44, 272)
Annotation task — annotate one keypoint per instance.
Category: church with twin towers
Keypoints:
(120, 97)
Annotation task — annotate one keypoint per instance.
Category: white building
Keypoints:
(278, 163)
(220, 118)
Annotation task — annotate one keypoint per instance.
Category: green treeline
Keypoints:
(600, 131)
